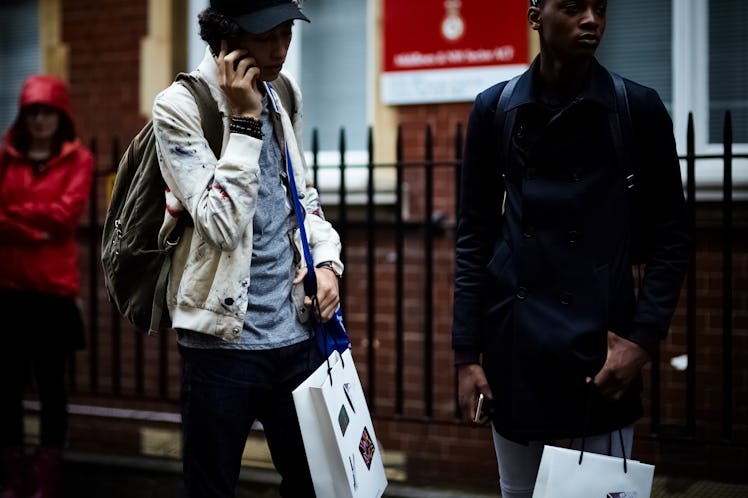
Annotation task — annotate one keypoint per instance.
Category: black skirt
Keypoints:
(41, 320)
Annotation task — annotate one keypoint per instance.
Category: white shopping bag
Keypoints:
(342, 450)
(561, 475)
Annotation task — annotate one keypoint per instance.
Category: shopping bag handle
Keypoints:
(584, 432)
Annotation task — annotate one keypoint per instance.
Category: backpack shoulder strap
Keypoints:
(212, 124)
(621, 128)
(282, 88)
(210, 116)
(503, 124)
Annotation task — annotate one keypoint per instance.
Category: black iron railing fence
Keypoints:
(391, 318)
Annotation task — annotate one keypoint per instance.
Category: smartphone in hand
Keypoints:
(215, 46)
(478, 408)
(483, 408)
(231, 45)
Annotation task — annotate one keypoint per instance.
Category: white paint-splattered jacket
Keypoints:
(210, 269)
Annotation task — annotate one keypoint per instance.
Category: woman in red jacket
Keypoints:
(45, 176)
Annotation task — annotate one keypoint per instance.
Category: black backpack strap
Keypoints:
(503, 124)
(159, 291)
(282, 88)
(620, 128)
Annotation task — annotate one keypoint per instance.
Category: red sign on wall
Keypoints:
(438, 35)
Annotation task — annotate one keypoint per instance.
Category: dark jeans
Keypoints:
(223, 393)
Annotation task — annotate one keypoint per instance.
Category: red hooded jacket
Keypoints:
(41, 205)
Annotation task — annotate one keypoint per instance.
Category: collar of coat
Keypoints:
(597, 87)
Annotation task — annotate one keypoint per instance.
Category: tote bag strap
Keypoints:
(585, 428)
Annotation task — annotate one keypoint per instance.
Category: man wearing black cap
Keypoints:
(547, 324)
(235, 296)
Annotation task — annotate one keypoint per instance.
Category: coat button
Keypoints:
(522, 293)
(528, 232)
(576, 176)
(532, 173)
(507, 178)
(521, 131)
(573, 237)
(567, 298)
(236, 330)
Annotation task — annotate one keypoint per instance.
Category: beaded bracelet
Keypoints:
(246, 126)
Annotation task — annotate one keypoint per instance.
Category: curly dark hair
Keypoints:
(215, 27)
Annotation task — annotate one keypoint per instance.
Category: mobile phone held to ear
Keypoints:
(215, 46)
(231, 45)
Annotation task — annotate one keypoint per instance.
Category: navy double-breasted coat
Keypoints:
(544, 252)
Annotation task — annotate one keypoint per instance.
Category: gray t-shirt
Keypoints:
(271, 320)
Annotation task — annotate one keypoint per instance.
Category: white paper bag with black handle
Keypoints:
(561, 475)
(344, 456)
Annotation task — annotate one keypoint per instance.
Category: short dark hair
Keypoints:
(214, 27)
(536, 3)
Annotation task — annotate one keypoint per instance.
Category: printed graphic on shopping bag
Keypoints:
(347, 392)
(343, 420)
(352, 462)
(367, 448)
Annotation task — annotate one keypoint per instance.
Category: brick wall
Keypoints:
(103, 39)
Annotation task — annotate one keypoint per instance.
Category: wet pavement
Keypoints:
(106, 476)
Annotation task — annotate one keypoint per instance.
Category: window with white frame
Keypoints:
(334, 78)
(695, 54)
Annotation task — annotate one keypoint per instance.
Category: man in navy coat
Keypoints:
(548, 325)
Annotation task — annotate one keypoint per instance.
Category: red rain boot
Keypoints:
(11, 472)
(44, 472)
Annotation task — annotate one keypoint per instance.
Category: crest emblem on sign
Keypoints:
(453, 25)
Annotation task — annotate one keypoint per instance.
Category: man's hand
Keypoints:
(623, 364)
(471, 381)
(327, 291)
(241, 85)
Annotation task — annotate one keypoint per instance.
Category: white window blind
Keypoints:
(333, 72)
(638, 43)
(728, 68)
(19, 53)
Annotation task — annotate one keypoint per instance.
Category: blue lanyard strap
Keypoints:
(310, 280)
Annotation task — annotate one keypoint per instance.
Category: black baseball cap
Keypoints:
(259, 16)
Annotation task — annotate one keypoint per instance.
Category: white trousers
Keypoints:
(518, 463)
